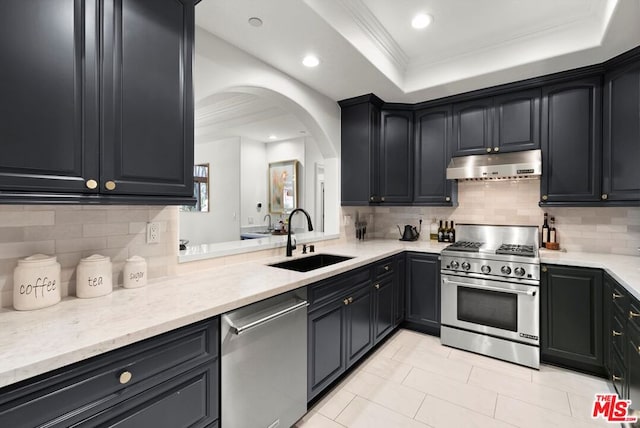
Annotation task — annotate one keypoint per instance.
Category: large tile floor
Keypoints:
(413, 381)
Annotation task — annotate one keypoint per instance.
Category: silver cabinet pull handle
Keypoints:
(633, 315)
(615, 333)
(244, 328)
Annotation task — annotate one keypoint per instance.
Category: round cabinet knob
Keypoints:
(371, 198)
(125, 377)
(345, 301)
(519, 271)
(506, 270)
(545, 197)
(110, 185)
(447, 199)
(455, 264)
(488, 149)
(382, 199)
(466, 266)
(377, 286)
(605, 196)
(386, 268)
(485, 269)
(350, 299)
(496, 149)
(91, 184)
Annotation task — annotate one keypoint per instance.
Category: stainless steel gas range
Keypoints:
(490, 282)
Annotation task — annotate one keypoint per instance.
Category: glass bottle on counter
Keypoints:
(440, 233)
(552, 231)
(433, 230)
(446, 231)
(452, 233)
(545, 231)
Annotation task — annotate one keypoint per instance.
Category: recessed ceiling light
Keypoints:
(273, 137)
(421, 20)
(254, 21)
(310, 61)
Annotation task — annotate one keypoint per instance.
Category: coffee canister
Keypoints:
(94, 277)
(135, 272)
(36, 282)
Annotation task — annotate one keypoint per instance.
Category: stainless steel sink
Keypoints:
(306, 264)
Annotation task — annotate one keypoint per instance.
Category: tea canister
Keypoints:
(135, 272)
(36, 282)
(94, 277)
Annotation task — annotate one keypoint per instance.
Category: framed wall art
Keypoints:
(283, 186)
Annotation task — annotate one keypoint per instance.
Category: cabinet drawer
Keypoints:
(634, 314)
(188, 400)
(105, 380)
(618, 336)
(326, 291)
(384, 268)
(618, 371)
(619, 298)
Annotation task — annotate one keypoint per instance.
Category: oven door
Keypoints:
(502, 309)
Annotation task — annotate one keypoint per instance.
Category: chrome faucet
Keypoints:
(270, 224)
(290, 247)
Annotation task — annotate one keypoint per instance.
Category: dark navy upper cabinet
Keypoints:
(505, 123)
(472, 127)
(97, 101)
(147, 97)
(48, 82)
(621, 142)
(395, 174)
(359, 152)
(433, 132)
(516, 121)
(572, 142)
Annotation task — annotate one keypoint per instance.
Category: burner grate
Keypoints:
(468, 246)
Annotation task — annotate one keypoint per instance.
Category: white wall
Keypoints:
(253, 182)
(222, 222)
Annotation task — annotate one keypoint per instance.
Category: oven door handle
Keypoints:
(531, 293)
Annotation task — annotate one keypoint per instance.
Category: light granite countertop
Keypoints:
(35, 342)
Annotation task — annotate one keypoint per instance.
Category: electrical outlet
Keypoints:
(153, 233)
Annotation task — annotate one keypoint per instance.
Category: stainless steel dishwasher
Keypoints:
(264, 363)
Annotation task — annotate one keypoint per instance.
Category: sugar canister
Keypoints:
(94, 276)
(135, 272)
(36, 282)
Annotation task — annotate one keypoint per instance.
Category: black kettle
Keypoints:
(411, 233)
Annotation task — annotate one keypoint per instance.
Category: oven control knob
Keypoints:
(455, 264)
(466, 266)
(506, 270)
(519, 271)
(485, 269)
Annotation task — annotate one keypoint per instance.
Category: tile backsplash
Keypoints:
(591, 229)
(74, 232)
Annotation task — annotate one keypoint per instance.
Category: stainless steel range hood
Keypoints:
(501, 166)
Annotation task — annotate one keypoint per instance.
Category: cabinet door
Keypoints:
(633, 366)
(571, 142)
(383, 304)
(396, 151)
(48, 82)
(432, 155)
(571, 318)
(358, 322)
(400, 288)
(326, 353)
(516, 121)
(360, 125)
(147, 98)
(423, 290)
(621, 145)
(472, 134)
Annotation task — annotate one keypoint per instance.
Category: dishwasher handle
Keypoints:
(244, 328)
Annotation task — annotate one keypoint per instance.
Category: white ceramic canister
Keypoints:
(36, 282)
(135, 272)
(94, 276)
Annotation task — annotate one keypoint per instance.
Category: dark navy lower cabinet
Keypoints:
(571, 318)
(423, 292)
(359, 323)
(167, 381)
